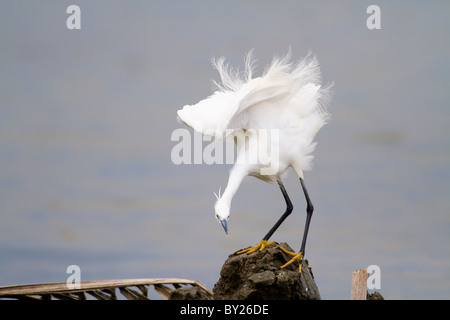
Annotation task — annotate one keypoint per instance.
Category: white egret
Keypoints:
(289, 100)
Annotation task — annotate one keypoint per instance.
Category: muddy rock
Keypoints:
(258, 276)
(374, 296)
(188, 293)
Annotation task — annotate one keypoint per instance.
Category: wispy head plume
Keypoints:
(217, 196)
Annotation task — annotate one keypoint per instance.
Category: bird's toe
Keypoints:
(295, 257)
(260, 246)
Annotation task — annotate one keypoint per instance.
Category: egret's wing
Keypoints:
(257, 103)
(305, 100)
(264, 90)
(270, 104)
(255, 98)
(211, 115)
(219, 112)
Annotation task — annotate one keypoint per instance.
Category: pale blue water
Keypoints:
(86, 118)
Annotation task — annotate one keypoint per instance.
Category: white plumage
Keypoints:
(288, 99)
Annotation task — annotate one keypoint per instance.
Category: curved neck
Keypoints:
(237, 174)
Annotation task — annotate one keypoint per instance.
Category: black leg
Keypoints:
(264, 242)
(309, 212)
(289, 208)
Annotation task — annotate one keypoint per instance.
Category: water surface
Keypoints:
(86, 118)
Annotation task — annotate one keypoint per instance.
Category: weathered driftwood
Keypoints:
(359, 284)
(131, 289)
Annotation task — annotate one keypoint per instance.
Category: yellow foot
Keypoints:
(260, 246)
(296, 256)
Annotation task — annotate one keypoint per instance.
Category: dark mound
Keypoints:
(258, 276)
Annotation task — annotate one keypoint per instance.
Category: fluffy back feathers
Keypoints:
(241, 97)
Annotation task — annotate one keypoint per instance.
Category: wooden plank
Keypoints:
(91, 285)
(136, 295)
(99, 295)
(64, 296)
(103, 289)
(143, 289)
(163, 290)
(127, 294)
(359, 284)
(111, 292)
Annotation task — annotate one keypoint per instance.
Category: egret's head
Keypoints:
(222, 213)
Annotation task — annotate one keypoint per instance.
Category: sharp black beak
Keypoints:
(224, 225)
